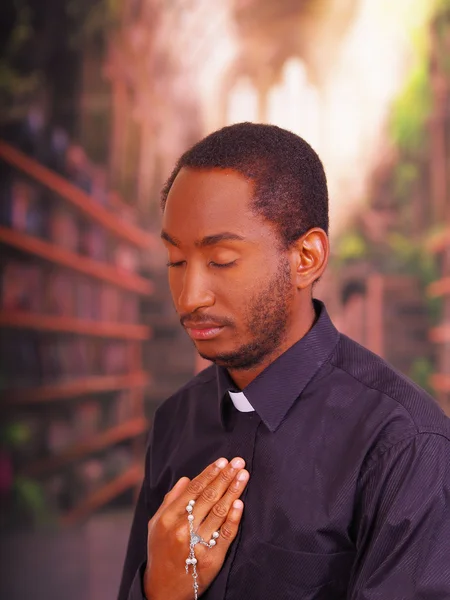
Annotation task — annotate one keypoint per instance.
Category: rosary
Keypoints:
(194, 539)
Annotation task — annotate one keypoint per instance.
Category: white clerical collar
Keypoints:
(240, 402)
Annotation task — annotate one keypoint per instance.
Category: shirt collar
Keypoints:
(240, 401)
(275, 390)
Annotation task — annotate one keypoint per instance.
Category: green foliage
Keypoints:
(22, 30)
(409, 257)
(413, 106)
(30, 501)
(421, 371)
(16, 83)
(402, 249)
(21, 76)
(434, 309)
(350, 247)
(14, 434)
(14, 86)
(405, 176)
(411, 110)
(92, 20)
(29, 494)
(442, 28)
(428, 269)
(397, 254)
(442, 9)
(435, 231)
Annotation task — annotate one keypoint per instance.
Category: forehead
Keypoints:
(206, 199)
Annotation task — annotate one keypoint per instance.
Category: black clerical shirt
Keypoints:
(349, 490)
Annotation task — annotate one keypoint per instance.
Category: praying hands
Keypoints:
(192, 531)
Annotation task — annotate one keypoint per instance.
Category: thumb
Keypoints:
(174, 493)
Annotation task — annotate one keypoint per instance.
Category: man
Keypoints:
(345, 492)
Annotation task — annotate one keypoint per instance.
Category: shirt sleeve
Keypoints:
(403, 523)
(136, 557)
(131, 584)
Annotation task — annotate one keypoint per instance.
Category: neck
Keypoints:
(242, 377)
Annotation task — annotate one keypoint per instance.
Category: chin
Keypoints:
(233, 360)
(213, 352)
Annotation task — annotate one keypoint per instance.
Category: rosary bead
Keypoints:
(189, 508)
(188, 561)
(191, 502)
(215, 535)
(193, 561)
(212, 542)
(190, 517)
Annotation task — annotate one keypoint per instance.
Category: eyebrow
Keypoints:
(171, 240)
(209, 240)
(226, 236)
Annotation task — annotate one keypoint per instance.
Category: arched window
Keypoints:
(242, 102)
(293, 103)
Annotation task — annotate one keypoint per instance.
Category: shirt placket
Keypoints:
(241, 442)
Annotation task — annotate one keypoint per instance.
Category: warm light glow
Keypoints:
(295, 104)
(345, 118)
(242, 102)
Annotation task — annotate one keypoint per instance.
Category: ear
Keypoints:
(310, 255)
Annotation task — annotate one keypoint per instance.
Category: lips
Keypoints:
(203, 331)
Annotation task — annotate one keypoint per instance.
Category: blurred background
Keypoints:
(98, 98)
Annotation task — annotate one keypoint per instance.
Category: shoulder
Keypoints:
(388, 406)
(188, 395)
(370, 373)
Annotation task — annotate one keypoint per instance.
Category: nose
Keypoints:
(195, 292)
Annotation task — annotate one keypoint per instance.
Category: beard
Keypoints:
(266, 319)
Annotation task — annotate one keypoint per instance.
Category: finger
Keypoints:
(214, 491)
(230, 527)
(197, 485)
(218, 513)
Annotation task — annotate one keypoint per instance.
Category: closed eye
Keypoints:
(222, 265)
(180, 263)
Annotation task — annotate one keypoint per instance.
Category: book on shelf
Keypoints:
(89, 476)
(20, 365)
(59, 434)
(87, 419)
(116, 358)
(93, 241)
(22, 205)
(87, 292)
(129, 310)
(118, 409)
(60, 292)
(126, 258)
(82, 428)
(117, 460)
(22, 285)
(110, 300)
(64, 228)
(58, 491)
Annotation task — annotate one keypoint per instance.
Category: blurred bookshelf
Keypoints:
(72, 378)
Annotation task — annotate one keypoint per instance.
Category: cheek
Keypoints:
(175, 284)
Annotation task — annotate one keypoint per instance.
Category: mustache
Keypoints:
(197, 319)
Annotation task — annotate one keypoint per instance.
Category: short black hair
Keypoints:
(290, 182)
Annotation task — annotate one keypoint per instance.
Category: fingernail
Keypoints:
(243, 476)
(221, 463)
(237, 463)
(238, 504)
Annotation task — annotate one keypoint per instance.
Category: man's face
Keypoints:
(231, 283)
